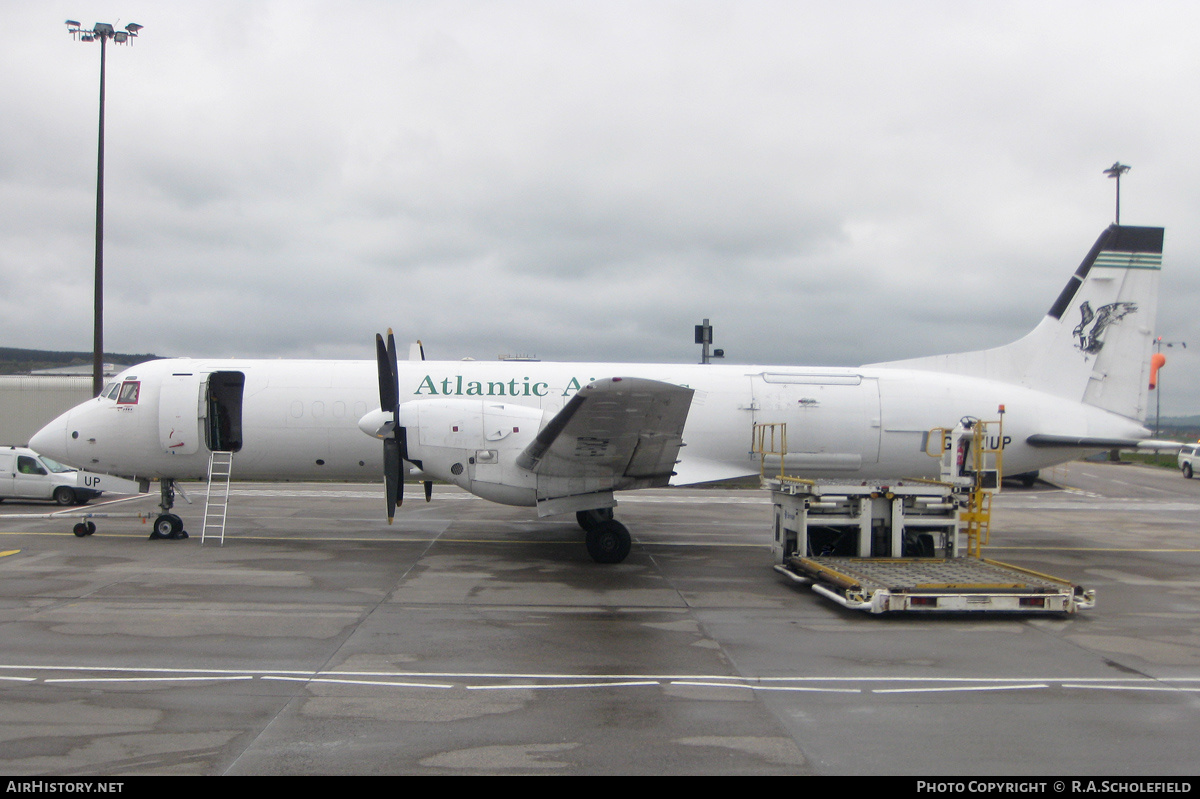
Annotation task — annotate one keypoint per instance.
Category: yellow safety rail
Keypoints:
(983, 459)
(770, 438)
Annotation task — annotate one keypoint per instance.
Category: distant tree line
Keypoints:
(16, 361)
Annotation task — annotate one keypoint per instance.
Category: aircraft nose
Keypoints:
(52, 439)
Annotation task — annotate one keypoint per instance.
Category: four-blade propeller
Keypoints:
(395, 444)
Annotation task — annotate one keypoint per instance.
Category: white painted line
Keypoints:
(1098, 687)
(769, 687)
(525, 687)
(147, 679)
(384, 683)
(956, 688)
(19, 679)
(153, 670)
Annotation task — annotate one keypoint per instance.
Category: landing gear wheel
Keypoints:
(608, 542)
(588, 519)
(168, 525)
(83, 529)
(1187, 471)
(64, 496)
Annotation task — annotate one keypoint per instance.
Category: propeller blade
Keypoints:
(395, 446)
(394, 378)
(428, 490)
(392, 476)
(388, 395)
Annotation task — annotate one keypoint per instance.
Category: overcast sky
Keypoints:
(830, 183)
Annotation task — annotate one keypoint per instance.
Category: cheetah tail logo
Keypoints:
(1090, 340)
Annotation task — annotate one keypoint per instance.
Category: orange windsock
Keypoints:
(1157, 361)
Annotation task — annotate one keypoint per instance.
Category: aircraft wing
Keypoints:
(626, 430)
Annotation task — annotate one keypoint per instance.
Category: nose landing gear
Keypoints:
(167, 525)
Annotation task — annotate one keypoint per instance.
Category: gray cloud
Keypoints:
(829, 183)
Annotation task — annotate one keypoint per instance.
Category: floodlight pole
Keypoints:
(102, 31)
(98, 299)
(1115, 171)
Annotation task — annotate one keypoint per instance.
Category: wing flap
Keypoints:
(628, 430)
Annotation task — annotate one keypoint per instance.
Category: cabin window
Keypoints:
(130, 390)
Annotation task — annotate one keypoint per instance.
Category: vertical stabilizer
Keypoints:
(1094, 343)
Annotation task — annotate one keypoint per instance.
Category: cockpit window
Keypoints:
(110, 391)
(129, 392)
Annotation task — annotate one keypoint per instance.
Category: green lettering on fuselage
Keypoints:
(456, 387)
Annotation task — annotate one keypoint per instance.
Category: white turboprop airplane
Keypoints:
(562, 437)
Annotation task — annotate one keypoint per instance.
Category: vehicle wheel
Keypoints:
(588, 519)
(1187, 471)
(91, 528)
(80, 530)
(608, 542)
(168, 525)
(64, 496)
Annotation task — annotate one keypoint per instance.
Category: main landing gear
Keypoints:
(167, 525)
(608, 540)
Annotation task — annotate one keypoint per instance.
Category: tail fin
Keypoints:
(1094, 344)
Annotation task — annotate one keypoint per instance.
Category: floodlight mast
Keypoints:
(102, 31)
(1115, 171)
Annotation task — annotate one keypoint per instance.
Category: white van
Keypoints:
(24, 474)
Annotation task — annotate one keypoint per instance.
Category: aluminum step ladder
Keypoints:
(216, 501)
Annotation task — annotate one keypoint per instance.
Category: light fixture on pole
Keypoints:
(1115, 171)
(101, 31)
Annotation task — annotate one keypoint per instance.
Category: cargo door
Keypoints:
(832, 418)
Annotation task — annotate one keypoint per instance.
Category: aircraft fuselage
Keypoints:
(299, 420)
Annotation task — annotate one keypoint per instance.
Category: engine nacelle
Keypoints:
(474, 444)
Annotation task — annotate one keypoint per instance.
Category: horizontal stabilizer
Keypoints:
(1077, 442)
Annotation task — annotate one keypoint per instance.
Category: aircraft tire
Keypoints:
(608, 542)
(64, 496)
(1187, 471)
(80, 530)
(588, 519)
(167, 525)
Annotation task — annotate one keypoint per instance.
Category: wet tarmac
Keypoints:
(470, 638)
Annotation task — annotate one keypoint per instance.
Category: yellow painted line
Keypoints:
(9, 552)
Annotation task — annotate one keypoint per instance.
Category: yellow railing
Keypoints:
(770, 438)
(983, 459)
